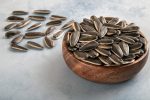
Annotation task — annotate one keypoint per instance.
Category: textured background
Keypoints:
(43, 75)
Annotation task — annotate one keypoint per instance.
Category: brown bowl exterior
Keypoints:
(103, 74)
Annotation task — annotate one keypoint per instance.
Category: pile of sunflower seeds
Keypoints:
(105, 41)
(21, 19)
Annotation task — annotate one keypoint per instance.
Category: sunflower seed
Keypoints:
(48, 42)
(90, 33)
(136, 46)
(10, 26)
(37, 18)
(106, 41)
(67, 25)
(87, 28)
(122, 23)
(19, 12)
(49, 30)
(10, 34)
(42, 11)
(117, 50)
(76, 26)
(34, 26)
(15, 18)
(57, 35)
(130, 29)
(80, 55)
(54, 23)
(115, 59)
(126, 39)
(112, 26)
(113, 21)
(103, 51)
(23, 24)
(74, 38)
(17, 39)
(102, 19)
(87, 38)
(108, 18)
(104, 46)
(102, 32)
(97, 23)
(125, 48)
(93, 54)
(88, 22)
(57, 17)
(18, 48)
(89, 46)
(129, 57)
(34, 45)
(105, 60)
(92, 61)
(32, 35)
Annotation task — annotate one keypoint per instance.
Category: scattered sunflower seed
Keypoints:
(10, 34)
(34, 26)
(37, 18)
(34, 45)
(42, 11)
(19, 12)
(17, 39)
(48, 42)
(10, 26)
(19, 48)
(15, 18)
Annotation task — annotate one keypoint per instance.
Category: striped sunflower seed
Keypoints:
(103, 51)
(105, 60)
(17, 39)
(34, 45)
(126, 39)
(136, 46)
(80, 55)
(88, 22)
(102, 19)
(34, 26)
(32, 35)
(57, 35)
(10, 34)
(90, 33)
(104, 46)
(14, 18)
(76, 26)
(93, 54)
(57, 17)
(113, 21)
(49, 30)
(54, 23)
(106, 41)
(93, 61)
(89, 46)
(102, 32)
(117, 50)
(87, 28)
(48, 42)
(115, 59)
(74, 38)
(130, 29)
(87, 38)
(42, 11)
(19, 48)
(19, 12)
(112, 26)
(67, 25)
(10, 26)
(37, 18)
(125, 48)
(23, 24)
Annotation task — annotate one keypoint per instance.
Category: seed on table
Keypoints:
(54, 23)
(17, 39)
(57, 35)
(34, 26)
(49, 30)
(48, 42)
(10, 34)
(33, 35)
(19, 12)
(42, 11)
(23, 24)
(19, 48)
(76, 26)
(34, 45)
(58, 17)
(15, 19)
(10, 26)
(37, 18)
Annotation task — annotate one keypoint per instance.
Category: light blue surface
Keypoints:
(43, 75)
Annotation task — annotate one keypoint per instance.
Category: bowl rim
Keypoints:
(118, 66)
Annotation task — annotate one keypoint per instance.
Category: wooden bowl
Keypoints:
(103, 74)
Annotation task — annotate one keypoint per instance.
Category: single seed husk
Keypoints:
(34, 45)
(90, 33)
(104, 46)
(88, 22)
(106, 41)
(37, 18)
(89, 46)
(10, 26)
(48, 42)
(87, 38)
(122, 23)
(34, 26)
(58, 17)
(105, 60)
(18, 48)
(80, 55)
(112, 26)
(126, 39)
(10, 34)
(57, 35)
(117, 50)
(92, 61)
(136, 46)
(15, 18)
(103, 51)
(130, 29)
(108, 18)
(42, 11)
(54, 23)
(23, 24)
(125, 48)
(132, 34)
(103, 31)
(17, 39)
(115, 59)
(97, 24)
(67, 25)
(76, 26)
(32, 35)
(102, 19)
(19, 12)
(113, 21)
(74, 38)
(87, 28)
(49, 30)
(93, 54)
